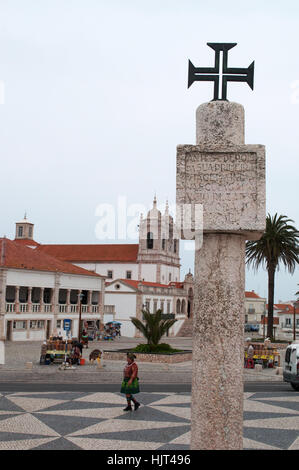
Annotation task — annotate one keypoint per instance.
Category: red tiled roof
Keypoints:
(26, 242)
(135, 283)
(281, 306)
(102, 253)
(251, 295)
(178, 285)
(16, 255)
(288, 312)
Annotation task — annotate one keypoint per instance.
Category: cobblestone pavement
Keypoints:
(96, 421)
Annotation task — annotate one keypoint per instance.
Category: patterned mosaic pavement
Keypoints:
(96, 421)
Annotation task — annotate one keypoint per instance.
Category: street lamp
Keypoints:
(296, 305)
(80, 297)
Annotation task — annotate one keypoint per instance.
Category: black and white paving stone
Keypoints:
(96, 421)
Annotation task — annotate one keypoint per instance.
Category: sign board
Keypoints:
(67, 325)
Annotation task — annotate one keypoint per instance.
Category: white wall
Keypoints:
(125, 307)
(119, 269)
(166, 270)
(149, 272)
(79, 282)
(23, 277)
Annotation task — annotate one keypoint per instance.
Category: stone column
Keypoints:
(17, 299)
(68, 301)
(41, 299)
(55, 303)
(89, 301)
(29, 301)
(227, 178)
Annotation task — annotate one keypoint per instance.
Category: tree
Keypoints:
(153, 327)
(279, 243)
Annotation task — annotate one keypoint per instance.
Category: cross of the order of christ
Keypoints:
(221, 75)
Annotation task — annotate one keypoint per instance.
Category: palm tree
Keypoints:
(279, 243)
(153, 327)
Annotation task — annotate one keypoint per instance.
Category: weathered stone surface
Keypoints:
(227, 178)
(222, 174)
(218, 343)
(220, 123)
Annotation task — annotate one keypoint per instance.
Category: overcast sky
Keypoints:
(95, 100)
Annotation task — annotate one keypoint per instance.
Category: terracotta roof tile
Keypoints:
(135, 283)
(26, 242)
(251, 295)
(16, 255)
(102, 253)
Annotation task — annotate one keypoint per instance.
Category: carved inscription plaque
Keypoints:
(229, 184)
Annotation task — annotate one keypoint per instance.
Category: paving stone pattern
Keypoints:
(96, 421)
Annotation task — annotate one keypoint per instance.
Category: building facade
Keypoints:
(38, 292)
(136, 275)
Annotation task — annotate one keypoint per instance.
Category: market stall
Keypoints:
(58, 350)
(266, 356)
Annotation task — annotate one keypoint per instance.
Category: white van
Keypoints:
(291, 365)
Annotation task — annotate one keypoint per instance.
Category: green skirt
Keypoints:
(130, 389)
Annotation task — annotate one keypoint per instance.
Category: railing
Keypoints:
(47, 308)
(10, 307)
(109, 308)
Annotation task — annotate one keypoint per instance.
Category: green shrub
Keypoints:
(158, 348)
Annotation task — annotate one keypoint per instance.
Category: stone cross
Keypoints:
(227, 178)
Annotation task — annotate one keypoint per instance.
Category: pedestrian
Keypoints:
(130, 383)
(76, 353)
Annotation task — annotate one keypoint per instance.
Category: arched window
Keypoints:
(163, 244)
(174, 245)
(178, 306)
(183, 306)
(150, 241)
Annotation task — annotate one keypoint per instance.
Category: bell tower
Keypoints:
(158, 255)
(24, 229)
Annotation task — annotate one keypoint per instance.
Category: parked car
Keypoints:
(249, 327)
(291, 365)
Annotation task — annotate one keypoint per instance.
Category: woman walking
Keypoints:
(130, 384)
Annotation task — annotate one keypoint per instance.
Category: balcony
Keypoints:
(109, 309)
(13, 307)
(23, 308)
(10, 307)
(47, 308)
